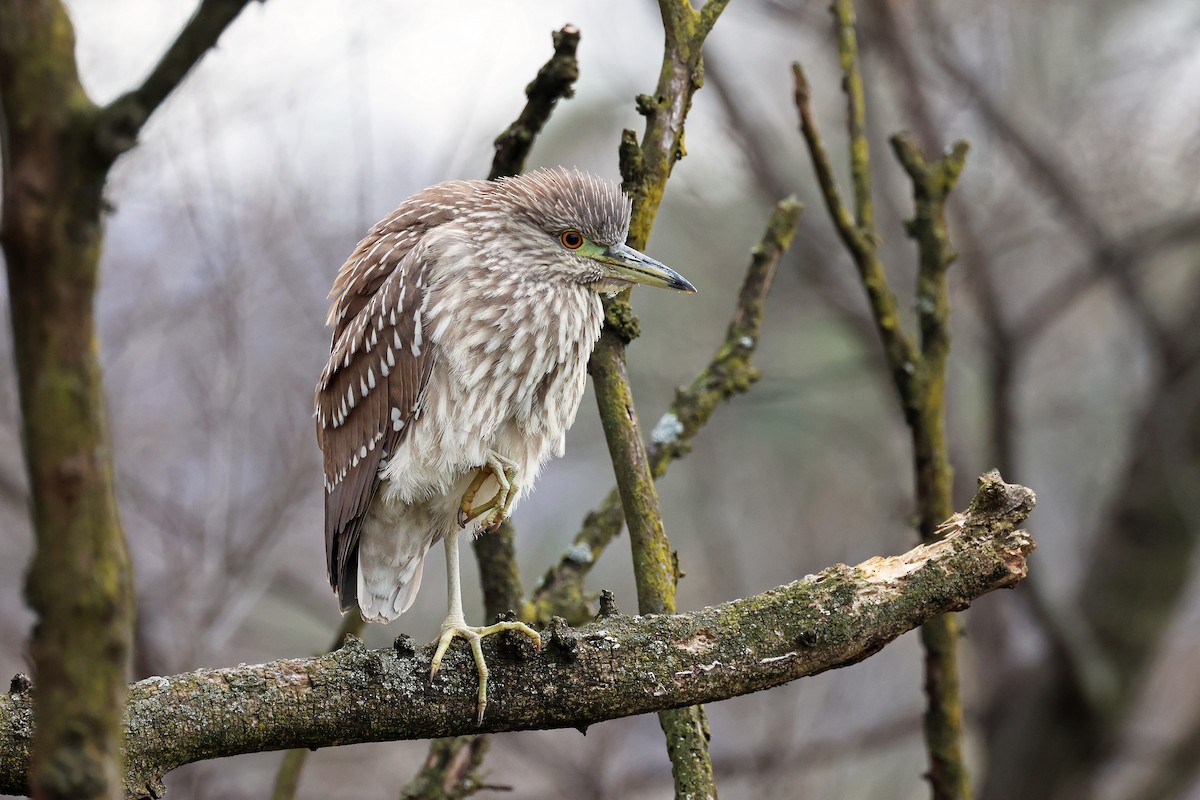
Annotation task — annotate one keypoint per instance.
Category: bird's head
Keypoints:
(569, 226)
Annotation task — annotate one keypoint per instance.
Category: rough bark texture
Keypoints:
(79, 582)
(57, 149)
(615, 667)
(645, 170)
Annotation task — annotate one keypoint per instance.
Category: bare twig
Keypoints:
(901, 352)
(555, 81)
(918, 368)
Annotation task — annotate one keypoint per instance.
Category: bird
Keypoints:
(462, 327)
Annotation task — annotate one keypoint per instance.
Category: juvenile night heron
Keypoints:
(463, 324)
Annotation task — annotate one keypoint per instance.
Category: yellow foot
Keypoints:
(452, 628)
(498, 508)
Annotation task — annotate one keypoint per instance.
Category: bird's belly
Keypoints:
(445, 447)
(492, 391)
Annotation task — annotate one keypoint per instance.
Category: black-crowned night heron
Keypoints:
(463, 324)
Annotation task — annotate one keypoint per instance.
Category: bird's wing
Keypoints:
(367, 395)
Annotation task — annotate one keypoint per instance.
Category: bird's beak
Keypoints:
(623, 263)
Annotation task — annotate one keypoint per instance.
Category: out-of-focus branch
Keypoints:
(1049, 170)
(918, 367)
(645, 169)
(899, 349)
(121, 120)
(57, 150)
(450, 769)
(618, 666)
(1174, 773)
(728, 374)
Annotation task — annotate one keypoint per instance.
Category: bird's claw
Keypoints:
(498, 508)
(452, 628)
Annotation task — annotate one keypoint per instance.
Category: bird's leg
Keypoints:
(498, 508)
(456, 625)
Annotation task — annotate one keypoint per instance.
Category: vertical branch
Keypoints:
(856, 117)
(645, 169)
(918, 367)
(79, 582)
(931, 183)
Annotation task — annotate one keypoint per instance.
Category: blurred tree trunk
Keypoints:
(1059, 720)
(79, 581)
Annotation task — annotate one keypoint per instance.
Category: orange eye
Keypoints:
(571, 239)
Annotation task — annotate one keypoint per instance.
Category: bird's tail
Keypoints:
(390, 563)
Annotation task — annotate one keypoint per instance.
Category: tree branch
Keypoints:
(615, 667)
(555, 81)
(900, 351)
(918, 370)
(121, 121)
(645, 170)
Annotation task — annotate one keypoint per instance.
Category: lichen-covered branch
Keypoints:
(56, 158)
(644, 170)
(729, 373)
(615, 667)
(932, 182)
(861, 244)
(918, 366)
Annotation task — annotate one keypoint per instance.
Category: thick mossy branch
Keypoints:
(730, 372)
(615, 667)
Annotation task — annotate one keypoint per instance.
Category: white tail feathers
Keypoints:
(387, 591)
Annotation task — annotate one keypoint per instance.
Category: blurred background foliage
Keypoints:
(1074, 363)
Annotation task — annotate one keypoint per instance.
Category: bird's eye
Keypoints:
(571, 239)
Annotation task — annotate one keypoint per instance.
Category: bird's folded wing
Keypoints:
(368, 394)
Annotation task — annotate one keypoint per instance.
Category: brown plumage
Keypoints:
(462, 327)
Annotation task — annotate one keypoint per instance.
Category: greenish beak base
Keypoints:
(623, 263)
